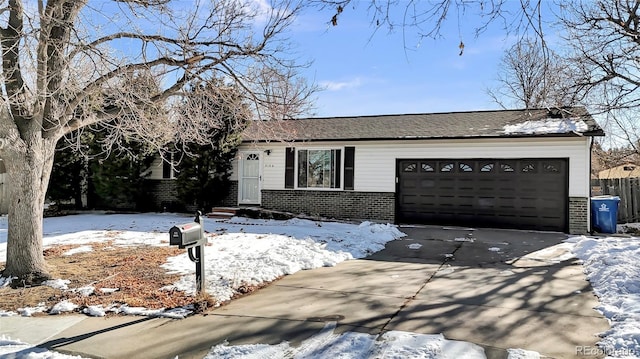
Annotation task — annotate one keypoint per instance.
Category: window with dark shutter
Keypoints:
(349, 164)
(319, 168)
(289, 167)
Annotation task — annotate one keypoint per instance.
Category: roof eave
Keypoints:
(595, 133)
(358, 139)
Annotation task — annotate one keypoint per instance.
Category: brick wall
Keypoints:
(231, 200)
(579, 215)
(164, 195)
(379, 206)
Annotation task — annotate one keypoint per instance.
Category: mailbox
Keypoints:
(191, 236)
(187, 235)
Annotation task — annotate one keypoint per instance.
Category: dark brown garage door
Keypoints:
(519, 193)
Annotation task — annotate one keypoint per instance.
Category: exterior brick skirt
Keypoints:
(164, 194)
(376, 206)
(579, 215)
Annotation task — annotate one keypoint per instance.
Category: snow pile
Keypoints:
(84, 291)
(522, 354)
(327, 344)
(176, 313)
(109, 290)
(4, 313)
(30, 311)
(17, 349)
(101, 311)
(95, 311)
(612, 267)
(62, 284)
(81, 249)
(549, 125)
(5, 281)
(63, 307)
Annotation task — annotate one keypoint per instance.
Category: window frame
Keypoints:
(339, 186)
(168, 168)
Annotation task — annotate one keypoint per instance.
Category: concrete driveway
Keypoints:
(501, 289)
(496, 288)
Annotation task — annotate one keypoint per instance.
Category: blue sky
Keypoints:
(368, 74)
(364, 72)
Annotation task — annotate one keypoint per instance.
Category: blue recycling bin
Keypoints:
(604, 213)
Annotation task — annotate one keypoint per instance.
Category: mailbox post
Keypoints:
(191, 236)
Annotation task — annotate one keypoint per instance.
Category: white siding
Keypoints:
(273, 171)
(375, 161)
(156, 168)
(272, 164)
(234, 168)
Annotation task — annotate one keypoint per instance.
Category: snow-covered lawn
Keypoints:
(247, 251)
(612, 266)
(242, 251)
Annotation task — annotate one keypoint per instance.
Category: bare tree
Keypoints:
(528, 78)
(69, 64)
(604, 37)
(425, 19)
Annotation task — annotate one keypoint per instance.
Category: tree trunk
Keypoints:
(78, 182)
(27, 179)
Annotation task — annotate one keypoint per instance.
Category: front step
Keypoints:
(222, 212)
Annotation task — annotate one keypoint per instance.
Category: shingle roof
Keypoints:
(574, 121)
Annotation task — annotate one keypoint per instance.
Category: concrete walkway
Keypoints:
(495, 288)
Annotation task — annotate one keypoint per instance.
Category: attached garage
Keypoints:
(504, 193)
(523, 169)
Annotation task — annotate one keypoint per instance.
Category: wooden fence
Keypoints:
(628, 189)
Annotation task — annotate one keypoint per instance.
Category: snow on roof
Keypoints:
(548, 125)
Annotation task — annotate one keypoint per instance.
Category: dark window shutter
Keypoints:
(338, 158)
(289, 167)
(349, 164)
(302, 168)
(166, 169)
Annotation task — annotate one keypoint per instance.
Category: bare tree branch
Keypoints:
(426, 19)
(531, 76)
(11, 68)
(127, 67)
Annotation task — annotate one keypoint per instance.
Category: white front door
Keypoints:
(249, 188)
